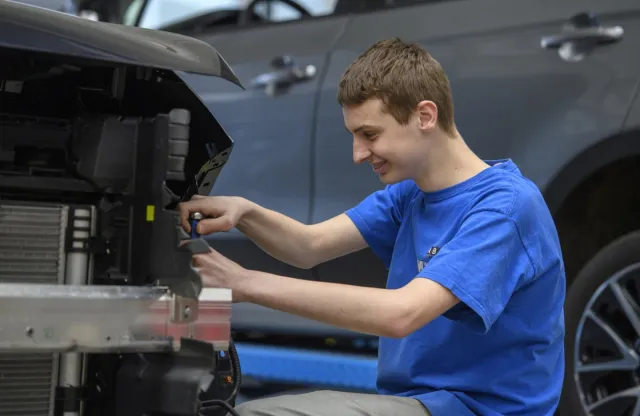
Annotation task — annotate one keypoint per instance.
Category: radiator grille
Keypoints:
(32, 243)
(31, 251)
(26, 384)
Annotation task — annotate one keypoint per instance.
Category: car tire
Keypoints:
(616, 258)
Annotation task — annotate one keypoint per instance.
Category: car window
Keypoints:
(160, 13)
(65, 6)
(277, 11)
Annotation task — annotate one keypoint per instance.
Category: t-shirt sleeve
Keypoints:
(379, 216)
(483, 264)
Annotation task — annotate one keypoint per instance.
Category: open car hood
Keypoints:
(32, 28)
(61, 67)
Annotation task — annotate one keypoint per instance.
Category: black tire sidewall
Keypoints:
(614, 257)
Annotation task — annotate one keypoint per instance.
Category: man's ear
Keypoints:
(427, 115)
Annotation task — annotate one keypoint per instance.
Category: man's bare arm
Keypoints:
(299, 244)
(284, 238)
(383, 312)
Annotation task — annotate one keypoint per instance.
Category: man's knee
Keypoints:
(251, 408)
(271, 406)
(262, 407)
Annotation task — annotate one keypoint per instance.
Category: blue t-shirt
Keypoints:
(492, 241)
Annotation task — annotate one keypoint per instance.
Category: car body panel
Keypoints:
(270, 164)
(633, 120)
(38, 29)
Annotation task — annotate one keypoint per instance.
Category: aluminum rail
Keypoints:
(93, 319)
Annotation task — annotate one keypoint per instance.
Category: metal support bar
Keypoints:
(79, 228)
(93, 319)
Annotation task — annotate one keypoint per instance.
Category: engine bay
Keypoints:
(94, 158)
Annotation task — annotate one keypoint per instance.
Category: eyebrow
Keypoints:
(361, 127)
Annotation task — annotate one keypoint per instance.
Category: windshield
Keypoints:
(161, 13)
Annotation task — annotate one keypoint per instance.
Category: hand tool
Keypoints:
(195, 218)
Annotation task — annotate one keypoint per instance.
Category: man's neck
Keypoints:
(449, 164)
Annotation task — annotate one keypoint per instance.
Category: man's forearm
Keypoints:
(367, 310)
(280, 236)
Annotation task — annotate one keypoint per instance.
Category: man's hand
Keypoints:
(218, 271)
(222, 213)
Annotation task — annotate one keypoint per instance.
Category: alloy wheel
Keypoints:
(607, 348)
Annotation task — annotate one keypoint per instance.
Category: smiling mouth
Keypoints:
(377, 167)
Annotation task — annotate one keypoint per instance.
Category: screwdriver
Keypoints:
(195, 218)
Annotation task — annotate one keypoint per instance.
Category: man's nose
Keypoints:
(360, 153)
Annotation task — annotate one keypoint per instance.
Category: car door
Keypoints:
(272, 127)
(517, 93)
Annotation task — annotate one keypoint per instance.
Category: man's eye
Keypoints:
(369, 135)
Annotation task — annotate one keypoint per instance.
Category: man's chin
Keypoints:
(388, 178)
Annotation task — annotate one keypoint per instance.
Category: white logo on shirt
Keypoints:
(432, 252)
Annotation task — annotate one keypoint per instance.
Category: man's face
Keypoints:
(395, 152)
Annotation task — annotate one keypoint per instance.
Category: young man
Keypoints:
(471, 321)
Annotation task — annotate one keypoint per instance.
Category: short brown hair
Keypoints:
(401, 75)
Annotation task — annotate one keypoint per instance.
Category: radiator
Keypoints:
(32, 250)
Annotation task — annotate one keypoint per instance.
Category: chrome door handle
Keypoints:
(595, 35)
(286, 73)
(580, 36)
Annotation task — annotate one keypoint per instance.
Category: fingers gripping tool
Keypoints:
(186, 292)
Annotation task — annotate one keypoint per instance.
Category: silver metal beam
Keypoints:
(94, 319)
